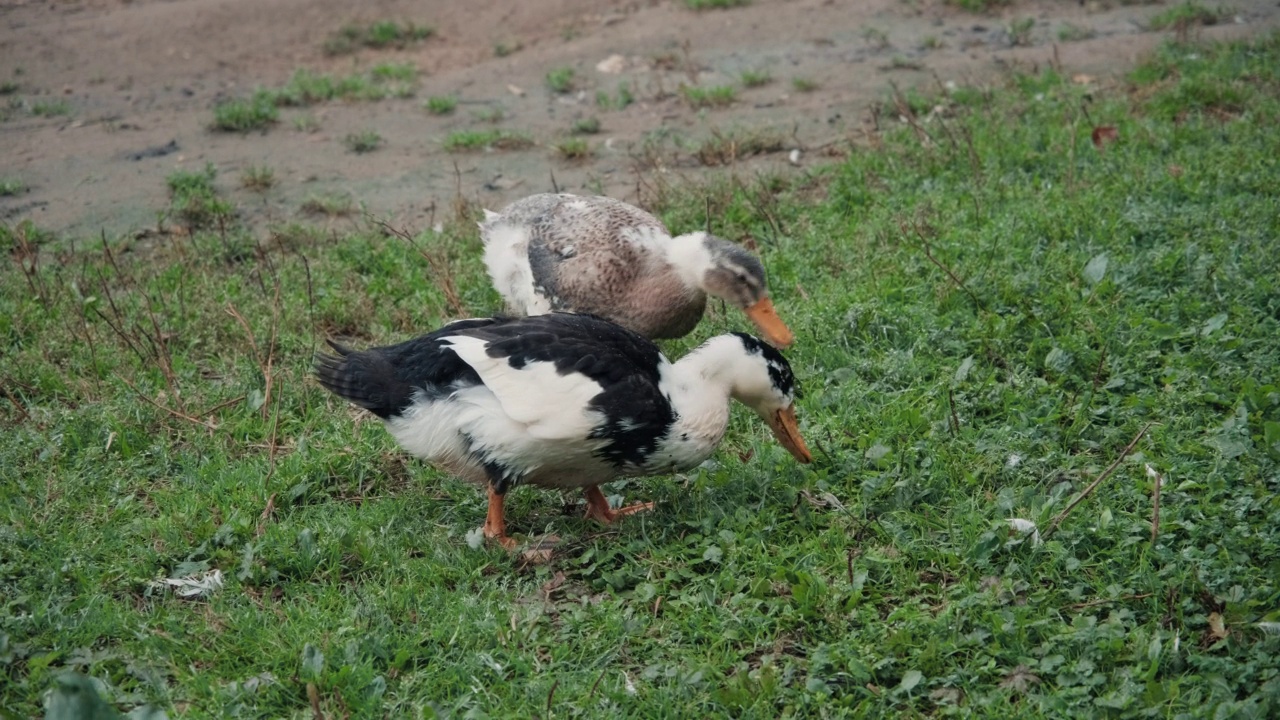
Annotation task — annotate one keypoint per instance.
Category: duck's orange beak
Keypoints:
(766, 318)
(787, 431)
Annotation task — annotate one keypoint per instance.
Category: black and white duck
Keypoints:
(556, 251)
(561, 400)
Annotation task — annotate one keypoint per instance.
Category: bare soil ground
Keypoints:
(133, 86)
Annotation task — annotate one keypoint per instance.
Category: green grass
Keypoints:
(306, 88)
(441, 104)
(708, 97)
(306, 123)
(618, 101)
(364, 141)
(715, 4)
(10, 187)
(379, 35)
(876, 38)
(561, 80)
(756, 78)
(1020, 30)
(468, 140)
(50, 108)
(803, 84)
(1186, 15)
(333, 205)
(245, 114)
(492, 114)
(725, 148)
(573, 149)
(1069, 32)
(988, 310)
(585, 126)
(980, 6)
(258, 178)
(505, 48)
(194, 201)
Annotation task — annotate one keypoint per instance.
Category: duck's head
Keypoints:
(724, 270)
(762, 380)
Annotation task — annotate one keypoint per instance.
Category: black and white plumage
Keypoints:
(561, 400)
(605, 257)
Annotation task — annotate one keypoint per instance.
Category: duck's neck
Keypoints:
(689, 256)
(698, 386)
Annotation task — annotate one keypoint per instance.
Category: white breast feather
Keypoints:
(550, 405)
(702, 416)
(506, 255)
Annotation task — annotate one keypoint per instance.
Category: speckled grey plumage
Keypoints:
(592, 254)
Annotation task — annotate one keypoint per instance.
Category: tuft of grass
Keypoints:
(1019, 326)
(308, 88)
(469, 140)
(494, 114)
(1069, 32)
(715, 4)
(717, 96)
(441, 104)
(378, 35)
(258, 178)
(365, 141)
(306, 123)
(402, 72)
(333, 205)
(932, 42)
(8, 87)
(586, 126)
(618, 101)
(980, 6)
(50, 108)
(1020, 29)
(242, 115)
(1187, 15)
(195, 201)
(876, 38)
(561, 80)
(756, 78)
(726, 148)
(505, 48)
(574, 149)
(804, 85)
(10, 187)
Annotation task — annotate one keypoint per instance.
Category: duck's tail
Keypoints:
(365, 378)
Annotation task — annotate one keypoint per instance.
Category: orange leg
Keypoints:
(495, 527)
(598, 506)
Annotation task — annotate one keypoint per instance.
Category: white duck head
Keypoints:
(751, 372)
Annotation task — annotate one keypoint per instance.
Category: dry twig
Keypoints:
(1093, 485)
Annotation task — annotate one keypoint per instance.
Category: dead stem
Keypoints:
(437, 265)
(928, 252)
(1093, 486)
(171, 411)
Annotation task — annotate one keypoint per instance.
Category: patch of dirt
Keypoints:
(140, 79)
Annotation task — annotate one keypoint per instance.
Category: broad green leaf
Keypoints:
(1096, 269)
(910, 679)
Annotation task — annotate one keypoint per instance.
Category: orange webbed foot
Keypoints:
(598, 506)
